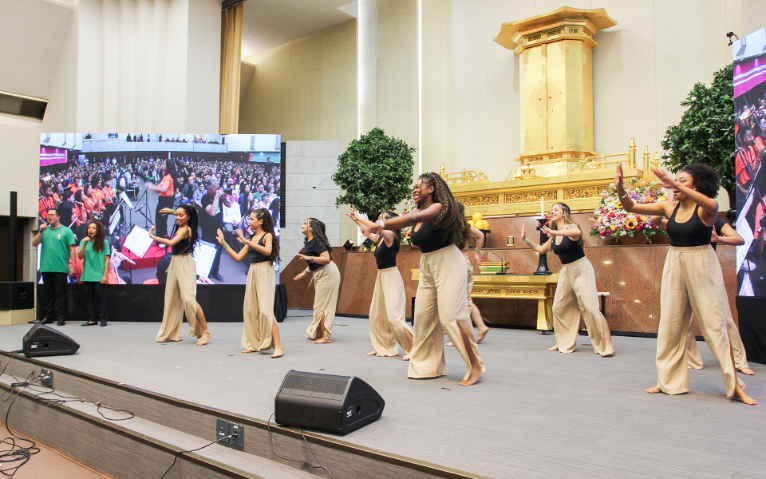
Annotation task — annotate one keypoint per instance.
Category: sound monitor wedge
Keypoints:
(43, 341)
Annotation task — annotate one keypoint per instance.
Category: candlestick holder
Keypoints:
(542, 265)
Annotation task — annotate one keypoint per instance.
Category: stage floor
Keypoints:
(535, 413)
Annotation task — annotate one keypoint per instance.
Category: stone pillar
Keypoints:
(557, 83)
(367, 65)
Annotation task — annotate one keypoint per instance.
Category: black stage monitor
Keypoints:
(337, 404)
(44, 341)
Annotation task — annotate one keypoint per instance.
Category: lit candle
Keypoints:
(542, 206)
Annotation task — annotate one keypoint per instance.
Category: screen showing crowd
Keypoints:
(123, 180)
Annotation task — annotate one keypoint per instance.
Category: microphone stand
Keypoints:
(502, 262)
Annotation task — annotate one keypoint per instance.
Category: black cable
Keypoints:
(273, 448)
(17, 453)
(178, 454)
(9, 361)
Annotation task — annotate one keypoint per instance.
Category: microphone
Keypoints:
(502, 262)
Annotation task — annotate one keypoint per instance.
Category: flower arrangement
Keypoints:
(609, 219)
(409, 206)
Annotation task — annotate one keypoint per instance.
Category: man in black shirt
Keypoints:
(66, 209)
(210, 219)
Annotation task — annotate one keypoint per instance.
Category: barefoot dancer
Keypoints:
(440, 230)
(326, 279)
(692, 280)
(722, 233)
(576, 291)
(259, 331)
(387, 326)
(476, 318)
(181, 285)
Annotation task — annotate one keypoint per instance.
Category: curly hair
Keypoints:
(451, 220)
(397, 233)
(704, 178)
(98, 239)
(192, 224)
(268, 226)
(318, 230)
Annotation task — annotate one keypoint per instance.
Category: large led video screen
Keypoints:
(124, 179)
(750, 142)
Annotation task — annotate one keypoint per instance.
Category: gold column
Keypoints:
(231, 52)
(557, 110)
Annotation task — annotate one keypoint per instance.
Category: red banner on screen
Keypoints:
(52, 156)
(748, 74)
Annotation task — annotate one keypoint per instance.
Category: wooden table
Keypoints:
(517, 286)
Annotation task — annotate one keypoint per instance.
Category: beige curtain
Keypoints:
(231, 48)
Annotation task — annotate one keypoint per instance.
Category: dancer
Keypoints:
(166, 198)
(95, 252)
(476, 318)
(441, 232)
(260, 331)
(181, 284)
(692, 280)
(722, 233)
(576, 291)
(387, 310)
(326, 278)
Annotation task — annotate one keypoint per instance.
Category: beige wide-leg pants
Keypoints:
(387, 313)
(180, 298)
(258, 309)
(575, 296)
(692, 281)
(326, 286)
(693, 356)
(440, 306)
(469, 283)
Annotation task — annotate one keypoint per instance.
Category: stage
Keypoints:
(534, 413)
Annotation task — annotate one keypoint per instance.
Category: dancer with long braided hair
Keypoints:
(181, 285)
(326, 278)
(259, 331)
(441, 232)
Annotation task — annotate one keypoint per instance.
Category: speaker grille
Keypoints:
(317, 383)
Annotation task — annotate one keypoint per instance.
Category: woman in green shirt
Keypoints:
(95, 252)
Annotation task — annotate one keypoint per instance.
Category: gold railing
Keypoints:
(462, 177)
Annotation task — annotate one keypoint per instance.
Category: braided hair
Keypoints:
(192, 224)
(268, 226)
(318, 229)
(451, 220)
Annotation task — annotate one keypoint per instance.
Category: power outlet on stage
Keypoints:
(237, 435)
(46, 378)
(222, 431)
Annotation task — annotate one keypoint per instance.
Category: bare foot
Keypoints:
(450, 344)
(747, 371)
(278, 353)
(482, 333)
(740, 394)
(406, 358)
(247, 351)
(608, 352)
(321, 341)
(204, 338)
(371, 353)
(654, 390)
(554, 348)
(472, 378)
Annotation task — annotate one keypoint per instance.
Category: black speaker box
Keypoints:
(337, 404)
(44, 341)
(15, 295)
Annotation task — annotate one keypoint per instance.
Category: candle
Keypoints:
(542, 206)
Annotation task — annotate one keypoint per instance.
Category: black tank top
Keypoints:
(719, 224)
(385, 257)
(256, 256)
(428, 239)
(180, 247)
(568, 251)
(691, 233)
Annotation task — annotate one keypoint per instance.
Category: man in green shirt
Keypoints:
(57, 259)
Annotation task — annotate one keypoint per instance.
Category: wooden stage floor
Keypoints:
(533, 414)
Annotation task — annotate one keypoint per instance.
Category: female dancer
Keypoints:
(94, 251)
(181, 284)
(576, 291)
(166, 199)
(326, 279)
(388, 298)
(722, 233)
(441, 232)
(476, 318)
(260, 331)
(692, 280)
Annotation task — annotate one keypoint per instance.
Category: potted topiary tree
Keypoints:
(706, 130)
(375, 173)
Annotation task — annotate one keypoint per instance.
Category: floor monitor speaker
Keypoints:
(44, 341)
(337, 404)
